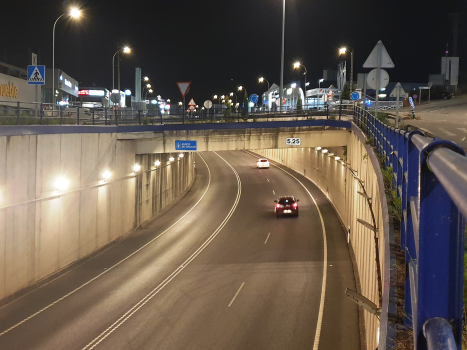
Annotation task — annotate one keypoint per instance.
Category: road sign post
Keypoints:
(397, 92)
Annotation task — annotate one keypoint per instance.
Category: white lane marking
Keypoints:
(156, 290)
(235, 296)
(110, 268)
(260, 171)
(325, 261)
(274, 193)
(268, 180)
(266, 241)
(447, 132)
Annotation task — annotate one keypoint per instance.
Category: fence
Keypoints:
(430, 178)
(22, 113)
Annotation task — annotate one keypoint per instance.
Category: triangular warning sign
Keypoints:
(192, 103)
(36, 76)
(184, 87)
(394, 91)
(385, 59)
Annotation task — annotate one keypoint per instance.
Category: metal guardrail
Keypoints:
(430, 177)
(22, 113)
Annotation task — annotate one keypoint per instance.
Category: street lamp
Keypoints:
(343, 51)
(232, 94)
(298, 65)
(73, 13)
(261, 80)
(125, 49)
(319, 83)
(150, 91)
(282, 57)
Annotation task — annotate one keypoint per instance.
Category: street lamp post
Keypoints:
(146, 94)
(232, 94)
(262, 80)
(298, 65)
(319, 83)
(125, 49)
(282, 58)
(343, 51)
(74, 13)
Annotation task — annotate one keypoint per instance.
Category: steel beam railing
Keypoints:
(430, 177)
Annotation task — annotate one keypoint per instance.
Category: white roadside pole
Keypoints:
(397, 93)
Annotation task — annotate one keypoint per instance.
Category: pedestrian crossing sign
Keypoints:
(36, 75)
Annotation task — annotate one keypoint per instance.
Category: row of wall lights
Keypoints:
(324, 151)
(62, 183)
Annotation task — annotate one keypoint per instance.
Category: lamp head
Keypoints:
(296, 65)
(261, 79)
(342, 51)
(240, 88)
(126, 49)
(146, 78)
(75, 12)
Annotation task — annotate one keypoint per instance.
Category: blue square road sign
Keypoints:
(184, 145)
(36, 75)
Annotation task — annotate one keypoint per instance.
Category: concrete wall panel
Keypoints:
(43, 229)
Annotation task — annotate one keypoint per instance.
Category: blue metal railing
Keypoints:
(430, 177)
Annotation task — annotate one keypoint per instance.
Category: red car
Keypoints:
(286, 205)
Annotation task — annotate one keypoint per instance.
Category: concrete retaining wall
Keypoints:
(341, 187)
(43, 230)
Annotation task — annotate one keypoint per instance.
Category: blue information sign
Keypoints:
(355, 96)
(36, 75)
(183, 145)
(254, 98)
(411, 102)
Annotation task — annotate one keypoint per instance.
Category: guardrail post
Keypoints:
(139, 117)
(42, 112)
(92, 114)
(116, 117)
(327, 111)
(161, 118)
(17, 113)
(77, 117)
(105, 116)
(340, 110)
(60, 111)
(441, 251)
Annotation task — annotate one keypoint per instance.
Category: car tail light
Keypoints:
(295, 205)
(278, 205)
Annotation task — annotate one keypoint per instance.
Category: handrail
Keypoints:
(451, 170)
(438, 334)
(430, 176)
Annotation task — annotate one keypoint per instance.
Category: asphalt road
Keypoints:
(444, 119)
(217, 271)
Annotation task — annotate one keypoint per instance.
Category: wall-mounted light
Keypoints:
(136, 168)
(181, 155)
(325, 151)
(106, 175)
(61, 184)
(318, 148)
(330, 154)
(157, 163)
(337, 158)
(171, 159)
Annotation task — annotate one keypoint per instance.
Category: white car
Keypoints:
(262, 163)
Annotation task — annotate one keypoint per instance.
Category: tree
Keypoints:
(245, 106)
(345, 95)
(299, 103)
(227, 111)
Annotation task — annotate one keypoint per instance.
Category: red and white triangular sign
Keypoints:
(385, 59)
(184, 87)
(192, 103)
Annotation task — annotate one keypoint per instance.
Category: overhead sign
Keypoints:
(384, 58)
(292, 141)
(383, 80)
(192, 103)
(36, 75)
(183, 145)
(184, 87)
(394, 91)
(208, 104)
(411, 102)
(254, 98)
(355, 96)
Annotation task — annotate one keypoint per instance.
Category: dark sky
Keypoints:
(218, 45)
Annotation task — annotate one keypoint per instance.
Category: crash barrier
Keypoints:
(23, 113)
(429, 176)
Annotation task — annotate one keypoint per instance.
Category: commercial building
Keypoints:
(92, 97)
(14, 87)
(66, 88)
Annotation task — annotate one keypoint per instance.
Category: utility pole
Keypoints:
(455, 30)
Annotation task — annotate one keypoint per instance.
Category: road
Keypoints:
(217, 271)
(445, 119)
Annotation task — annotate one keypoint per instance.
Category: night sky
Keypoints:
(219, 45)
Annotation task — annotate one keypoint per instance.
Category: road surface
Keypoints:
(217, 271)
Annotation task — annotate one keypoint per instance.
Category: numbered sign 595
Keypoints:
(292, 141)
